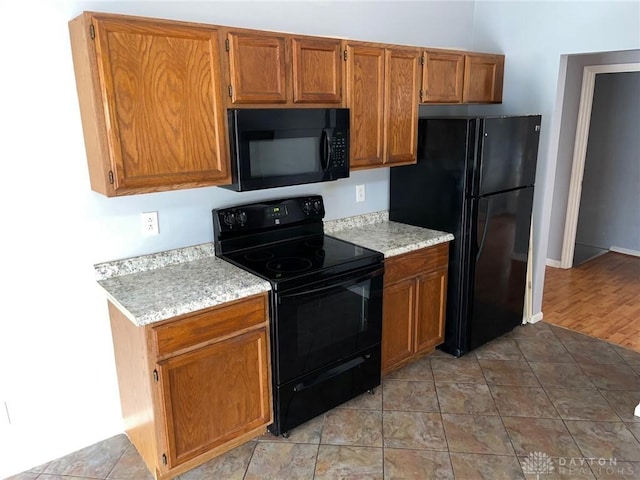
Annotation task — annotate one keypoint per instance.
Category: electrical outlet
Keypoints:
(149, 223)
(360, 196)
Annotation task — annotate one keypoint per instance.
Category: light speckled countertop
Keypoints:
(390, 238)
(163, 285)
(156, 287)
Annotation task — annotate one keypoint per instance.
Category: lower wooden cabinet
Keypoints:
(195, 386)
(414, 305)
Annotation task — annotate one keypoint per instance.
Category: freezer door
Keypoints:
(500, 240)
(431, 192)
(507, 153)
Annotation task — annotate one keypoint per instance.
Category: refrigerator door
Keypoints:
(500, 244)
(507, 154)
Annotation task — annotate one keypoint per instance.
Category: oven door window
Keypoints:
(318, 326)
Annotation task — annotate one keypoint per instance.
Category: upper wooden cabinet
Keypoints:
(442, 76)
(257, 68)
(460, 77)
(266, 68)
(382, 95)
(402, 90)
(365, 99)
(150, 101)
(317, 70)
(153, 94)
(483, 74)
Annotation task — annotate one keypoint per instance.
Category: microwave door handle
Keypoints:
(325, 149)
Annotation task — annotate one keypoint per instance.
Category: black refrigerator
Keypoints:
(475, 179)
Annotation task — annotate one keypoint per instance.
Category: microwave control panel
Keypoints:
(338, 151)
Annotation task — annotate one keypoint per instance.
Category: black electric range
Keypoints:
(325, 303)
(283, 241)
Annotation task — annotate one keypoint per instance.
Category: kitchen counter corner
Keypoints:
(376, 232)
(149, 289)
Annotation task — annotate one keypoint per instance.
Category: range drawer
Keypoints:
(209, 325)
(415, 263)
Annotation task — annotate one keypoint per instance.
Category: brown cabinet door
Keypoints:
(365, 99)
(160, 88)
(214, 394)
(317, 70)
(257, 68)
(483, 74)
(397, 323)
(442, 77)
(432, 292)
(402, 80)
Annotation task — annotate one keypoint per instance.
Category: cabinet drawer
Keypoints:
(209, 325)
(415, 263)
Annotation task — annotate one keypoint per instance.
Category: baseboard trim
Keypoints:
(553, 263)
(534, 319)
(626, 251)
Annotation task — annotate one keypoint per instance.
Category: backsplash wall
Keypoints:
(184, 217)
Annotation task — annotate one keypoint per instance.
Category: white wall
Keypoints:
(533, 35)
(610, 202)
(57, 373)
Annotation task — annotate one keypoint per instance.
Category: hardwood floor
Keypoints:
(600, 298)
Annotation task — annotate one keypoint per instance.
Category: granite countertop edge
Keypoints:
(159, 286)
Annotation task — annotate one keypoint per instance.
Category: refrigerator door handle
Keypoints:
(485, 229)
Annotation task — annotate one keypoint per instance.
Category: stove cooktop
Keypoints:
(283, 241)
(309, 258)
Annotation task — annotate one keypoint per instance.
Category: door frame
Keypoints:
(580, 152)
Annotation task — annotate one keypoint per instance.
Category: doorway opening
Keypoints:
(570, 256)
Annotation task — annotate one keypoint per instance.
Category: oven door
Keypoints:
(323, 323)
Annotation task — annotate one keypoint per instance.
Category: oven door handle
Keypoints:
(334, 372)
(330, 286)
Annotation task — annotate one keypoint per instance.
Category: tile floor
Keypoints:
(539, 403)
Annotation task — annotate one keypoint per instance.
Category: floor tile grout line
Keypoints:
(513, 446)
(315, 465)
(444, 430)
(246, 469)
(119, 458)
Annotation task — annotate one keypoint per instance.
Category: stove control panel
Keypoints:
(276, 211)
(312, 206)
(234, 217)
(268, 214)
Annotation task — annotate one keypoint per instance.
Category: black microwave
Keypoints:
(285, 146)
